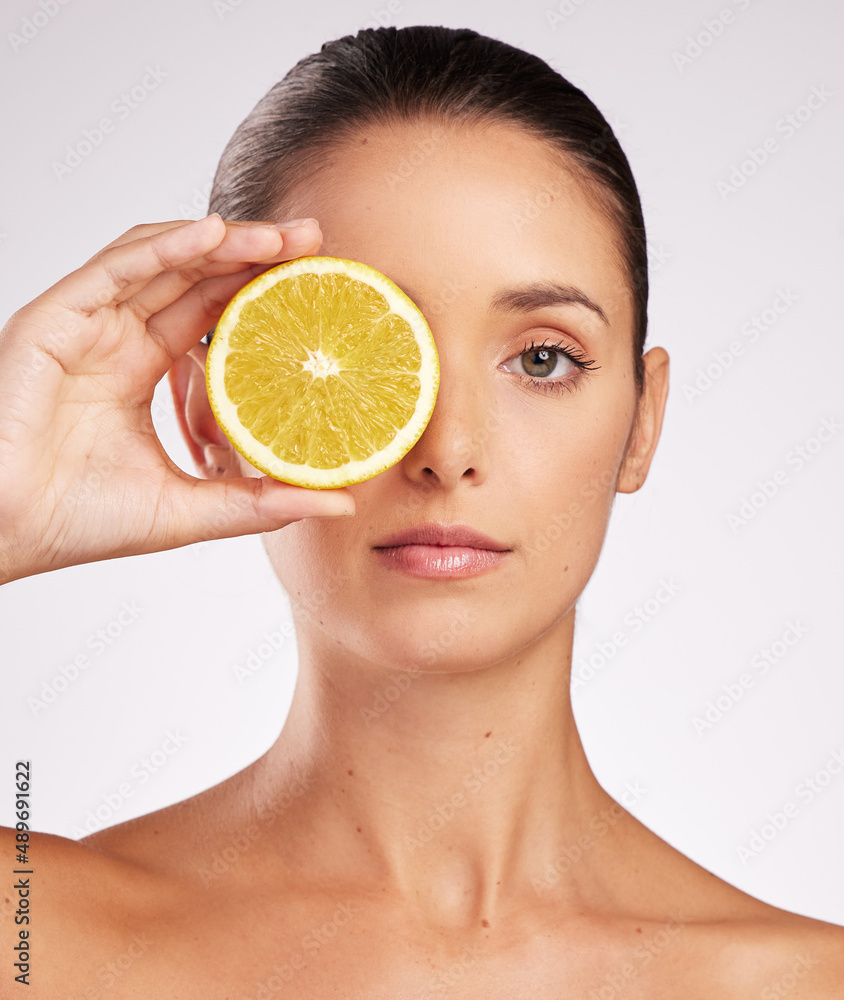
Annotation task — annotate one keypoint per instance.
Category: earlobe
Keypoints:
(210, 449)
(647, 425)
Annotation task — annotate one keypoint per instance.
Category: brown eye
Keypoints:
(539, 367)
(539, 363)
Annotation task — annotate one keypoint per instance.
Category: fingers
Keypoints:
(189, 247)
(250, 505)
(231, 257)
(100, 281)
(144, 229)
(183, 323)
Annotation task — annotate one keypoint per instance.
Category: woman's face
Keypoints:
(524, 447)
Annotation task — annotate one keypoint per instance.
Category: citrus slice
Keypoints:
(322, 372)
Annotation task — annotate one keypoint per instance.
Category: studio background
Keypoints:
(733, 126)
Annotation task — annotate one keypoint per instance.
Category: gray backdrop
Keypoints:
(708, 661)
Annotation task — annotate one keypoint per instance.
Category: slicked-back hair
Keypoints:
(437, 74)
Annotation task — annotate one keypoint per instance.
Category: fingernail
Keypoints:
(294, 223)
(213, 215)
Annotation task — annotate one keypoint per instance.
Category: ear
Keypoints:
(212, 452)
(647, 424)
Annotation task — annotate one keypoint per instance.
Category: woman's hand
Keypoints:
(83, 475)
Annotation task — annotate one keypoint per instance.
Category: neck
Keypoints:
(458, 789)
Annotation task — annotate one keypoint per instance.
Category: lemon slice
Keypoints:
(322, 372)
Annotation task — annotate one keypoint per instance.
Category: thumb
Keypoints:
(227, 508)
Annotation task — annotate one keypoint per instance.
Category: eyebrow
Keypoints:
(526, 298)
(540, 295)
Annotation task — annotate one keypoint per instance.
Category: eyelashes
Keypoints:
(582, 362)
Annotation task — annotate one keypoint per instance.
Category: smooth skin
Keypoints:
(416, 844)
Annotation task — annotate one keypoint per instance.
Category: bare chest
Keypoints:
(339, 950)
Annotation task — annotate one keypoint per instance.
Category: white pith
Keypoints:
(262, 457)
(320, 365)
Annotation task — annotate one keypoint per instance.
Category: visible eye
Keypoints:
(542, 361)
(537, 363)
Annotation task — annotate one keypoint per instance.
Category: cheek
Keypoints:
(555, 449)
(563, 461)
(308, 559)
(304, 552)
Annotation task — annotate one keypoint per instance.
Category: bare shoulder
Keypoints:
(786, 954)
(106, 897)
(735, 945)
(179, 844)
(159, 854)
(60, 893)
(763, 952)
(68, 872)
(55, 868)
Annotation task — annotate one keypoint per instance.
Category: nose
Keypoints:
(454, 447)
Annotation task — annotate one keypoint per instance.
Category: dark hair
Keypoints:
(457, 75)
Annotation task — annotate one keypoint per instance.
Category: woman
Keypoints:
(427, 822)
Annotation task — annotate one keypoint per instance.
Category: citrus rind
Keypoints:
(263, 457)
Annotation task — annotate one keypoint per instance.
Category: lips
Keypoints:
(434, 533)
